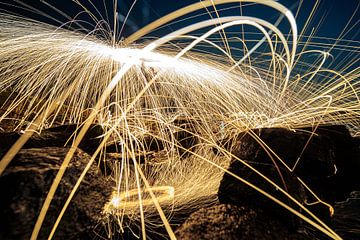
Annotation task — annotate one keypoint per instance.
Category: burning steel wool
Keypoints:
(168, 104)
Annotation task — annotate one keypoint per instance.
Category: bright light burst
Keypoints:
(171, 90)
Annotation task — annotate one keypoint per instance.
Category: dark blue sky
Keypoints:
(332, 15)
(336, 13)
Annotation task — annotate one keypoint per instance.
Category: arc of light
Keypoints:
(325, 56)
(274, 29)
(200, 5)
(251, 21)
(240, 21)
(212, 44)
(211, 22)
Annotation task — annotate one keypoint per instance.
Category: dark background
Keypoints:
(331, 15)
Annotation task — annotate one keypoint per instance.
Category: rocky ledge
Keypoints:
(326, 160)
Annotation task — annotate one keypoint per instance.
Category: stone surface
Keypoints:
(231, 222)
(328, 165)
(233, 191)
(346, 220)
(327, 160)
(25, 184)
(60, 136)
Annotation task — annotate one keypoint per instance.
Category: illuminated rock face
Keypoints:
(225, 221)
(26, 182)
(327, 160)
(328, 165)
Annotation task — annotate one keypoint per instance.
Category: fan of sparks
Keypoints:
(187, 83)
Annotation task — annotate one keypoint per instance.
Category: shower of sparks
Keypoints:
(166, 88)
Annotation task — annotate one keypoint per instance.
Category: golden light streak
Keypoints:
(123, 200)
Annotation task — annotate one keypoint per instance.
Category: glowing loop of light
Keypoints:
(121, 200)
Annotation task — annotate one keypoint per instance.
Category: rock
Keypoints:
(346, 221)
(233, 191)
(231, 222)
(328, 164)
(25, 184)
(59, 136)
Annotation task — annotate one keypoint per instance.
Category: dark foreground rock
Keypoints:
(233, 191)
(231, 222)
(346, 220)
(328, 162)
(24, 186)
(327, 159)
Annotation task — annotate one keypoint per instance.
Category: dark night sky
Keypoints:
(336, 13)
